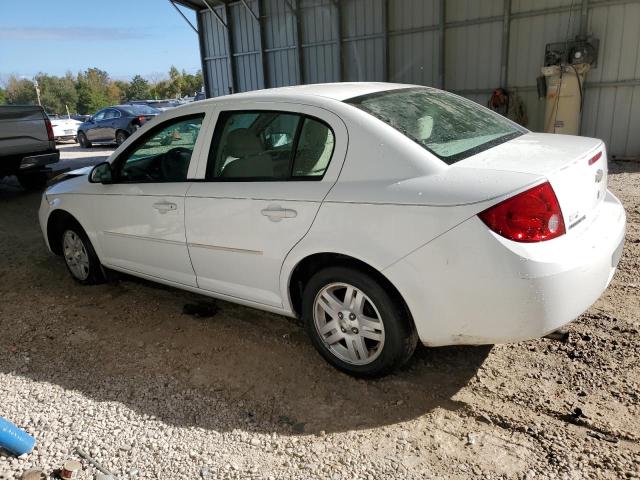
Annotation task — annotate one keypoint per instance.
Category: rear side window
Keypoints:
(268, 146)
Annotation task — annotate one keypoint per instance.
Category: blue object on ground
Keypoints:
(14, 439)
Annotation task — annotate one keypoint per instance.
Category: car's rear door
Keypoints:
(266, 174)
(110, 123)
(139, 218)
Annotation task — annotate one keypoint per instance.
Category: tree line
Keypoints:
(93, 89)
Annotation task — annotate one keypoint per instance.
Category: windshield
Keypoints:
(140, 110)
(450, 127)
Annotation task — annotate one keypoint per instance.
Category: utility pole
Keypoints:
(35, 83)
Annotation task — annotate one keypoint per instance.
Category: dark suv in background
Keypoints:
(114, 124)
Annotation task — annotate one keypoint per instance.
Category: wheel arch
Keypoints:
(57, 220)
(309, 265)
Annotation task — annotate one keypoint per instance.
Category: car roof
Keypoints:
(335, 91)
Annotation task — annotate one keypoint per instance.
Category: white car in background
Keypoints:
(64, 128)
(382, 214)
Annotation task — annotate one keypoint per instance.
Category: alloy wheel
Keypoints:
(348, 323)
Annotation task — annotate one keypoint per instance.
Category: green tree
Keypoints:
(3, 99)
(176, 82)
(20, 91)
(93, 90)
(138, 89)
(161, 89)
(58, 93)
(192, 83)
(123, 87)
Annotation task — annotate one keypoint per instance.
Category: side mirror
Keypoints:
(90, 119)
(101, 173)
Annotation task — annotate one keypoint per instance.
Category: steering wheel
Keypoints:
(137, 173)
(175, 163)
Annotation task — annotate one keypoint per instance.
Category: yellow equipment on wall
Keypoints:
(563, 103)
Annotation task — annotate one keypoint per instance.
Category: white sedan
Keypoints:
(382, 214)
(64, 128)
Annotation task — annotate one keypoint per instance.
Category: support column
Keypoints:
(506, 30)
(441, 52)
(232, 62)
(584, 17)
(385, 39)
(263, 58)
(338, 27)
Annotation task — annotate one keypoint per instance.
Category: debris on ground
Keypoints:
(202, 309)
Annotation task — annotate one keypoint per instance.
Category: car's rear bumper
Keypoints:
(471, 286)
(39, 160)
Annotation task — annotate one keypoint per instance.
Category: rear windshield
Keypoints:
(140, 110)
(164, 104)
(450, 127)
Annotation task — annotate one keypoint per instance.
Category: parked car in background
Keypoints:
(382, 214)
(114, 124)
(64, 128)
(199, 96)
(161, 105)
(27, 145)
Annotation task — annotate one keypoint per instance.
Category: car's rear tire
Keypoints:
(121, 136)
(355, 323)
(83, 140)
(79, 256)
(32, 181)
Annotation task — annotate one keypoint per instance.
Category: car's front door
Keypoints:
(267, 172)
(140, 217)
(94, 132)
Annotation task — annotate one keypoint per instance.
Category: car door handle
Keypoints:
(164, 207)
(277, 213)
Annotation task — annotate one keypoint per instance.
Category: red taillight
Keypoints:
(531, 216)
(47, 122)
(595, 158)
(142, 119)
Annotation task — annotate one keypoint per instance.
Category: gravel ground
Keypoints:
(120, 372)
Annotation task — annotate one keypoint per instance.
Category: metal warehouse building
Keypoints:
(469, 47)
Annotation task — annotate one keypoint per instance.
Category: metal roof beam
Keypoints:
(183, 16)
(255, 17)
(222, 22)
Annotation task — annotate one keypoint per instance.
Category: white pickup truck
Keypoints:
(27, 145)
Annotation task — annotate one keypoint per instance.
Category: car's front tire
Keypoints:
(79, 256)
(83, 140)
(355, 323)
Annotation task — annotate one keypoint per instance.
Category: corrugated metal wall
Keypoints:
(287, 42)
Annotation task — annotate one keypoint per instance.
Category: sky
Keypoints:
(123, 37)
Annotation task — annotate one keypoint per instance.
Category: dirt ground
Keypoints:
(120, 371)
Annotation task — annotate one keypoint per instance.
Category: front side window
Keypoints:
(269, 146)
(450, 127)
(164, 154)
(110, 114)
(100, 115)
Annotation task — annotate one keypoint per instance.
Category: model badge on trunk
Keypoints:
(599, 175)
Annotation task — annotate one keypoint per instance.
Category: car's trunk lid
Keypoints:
(564, 160)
